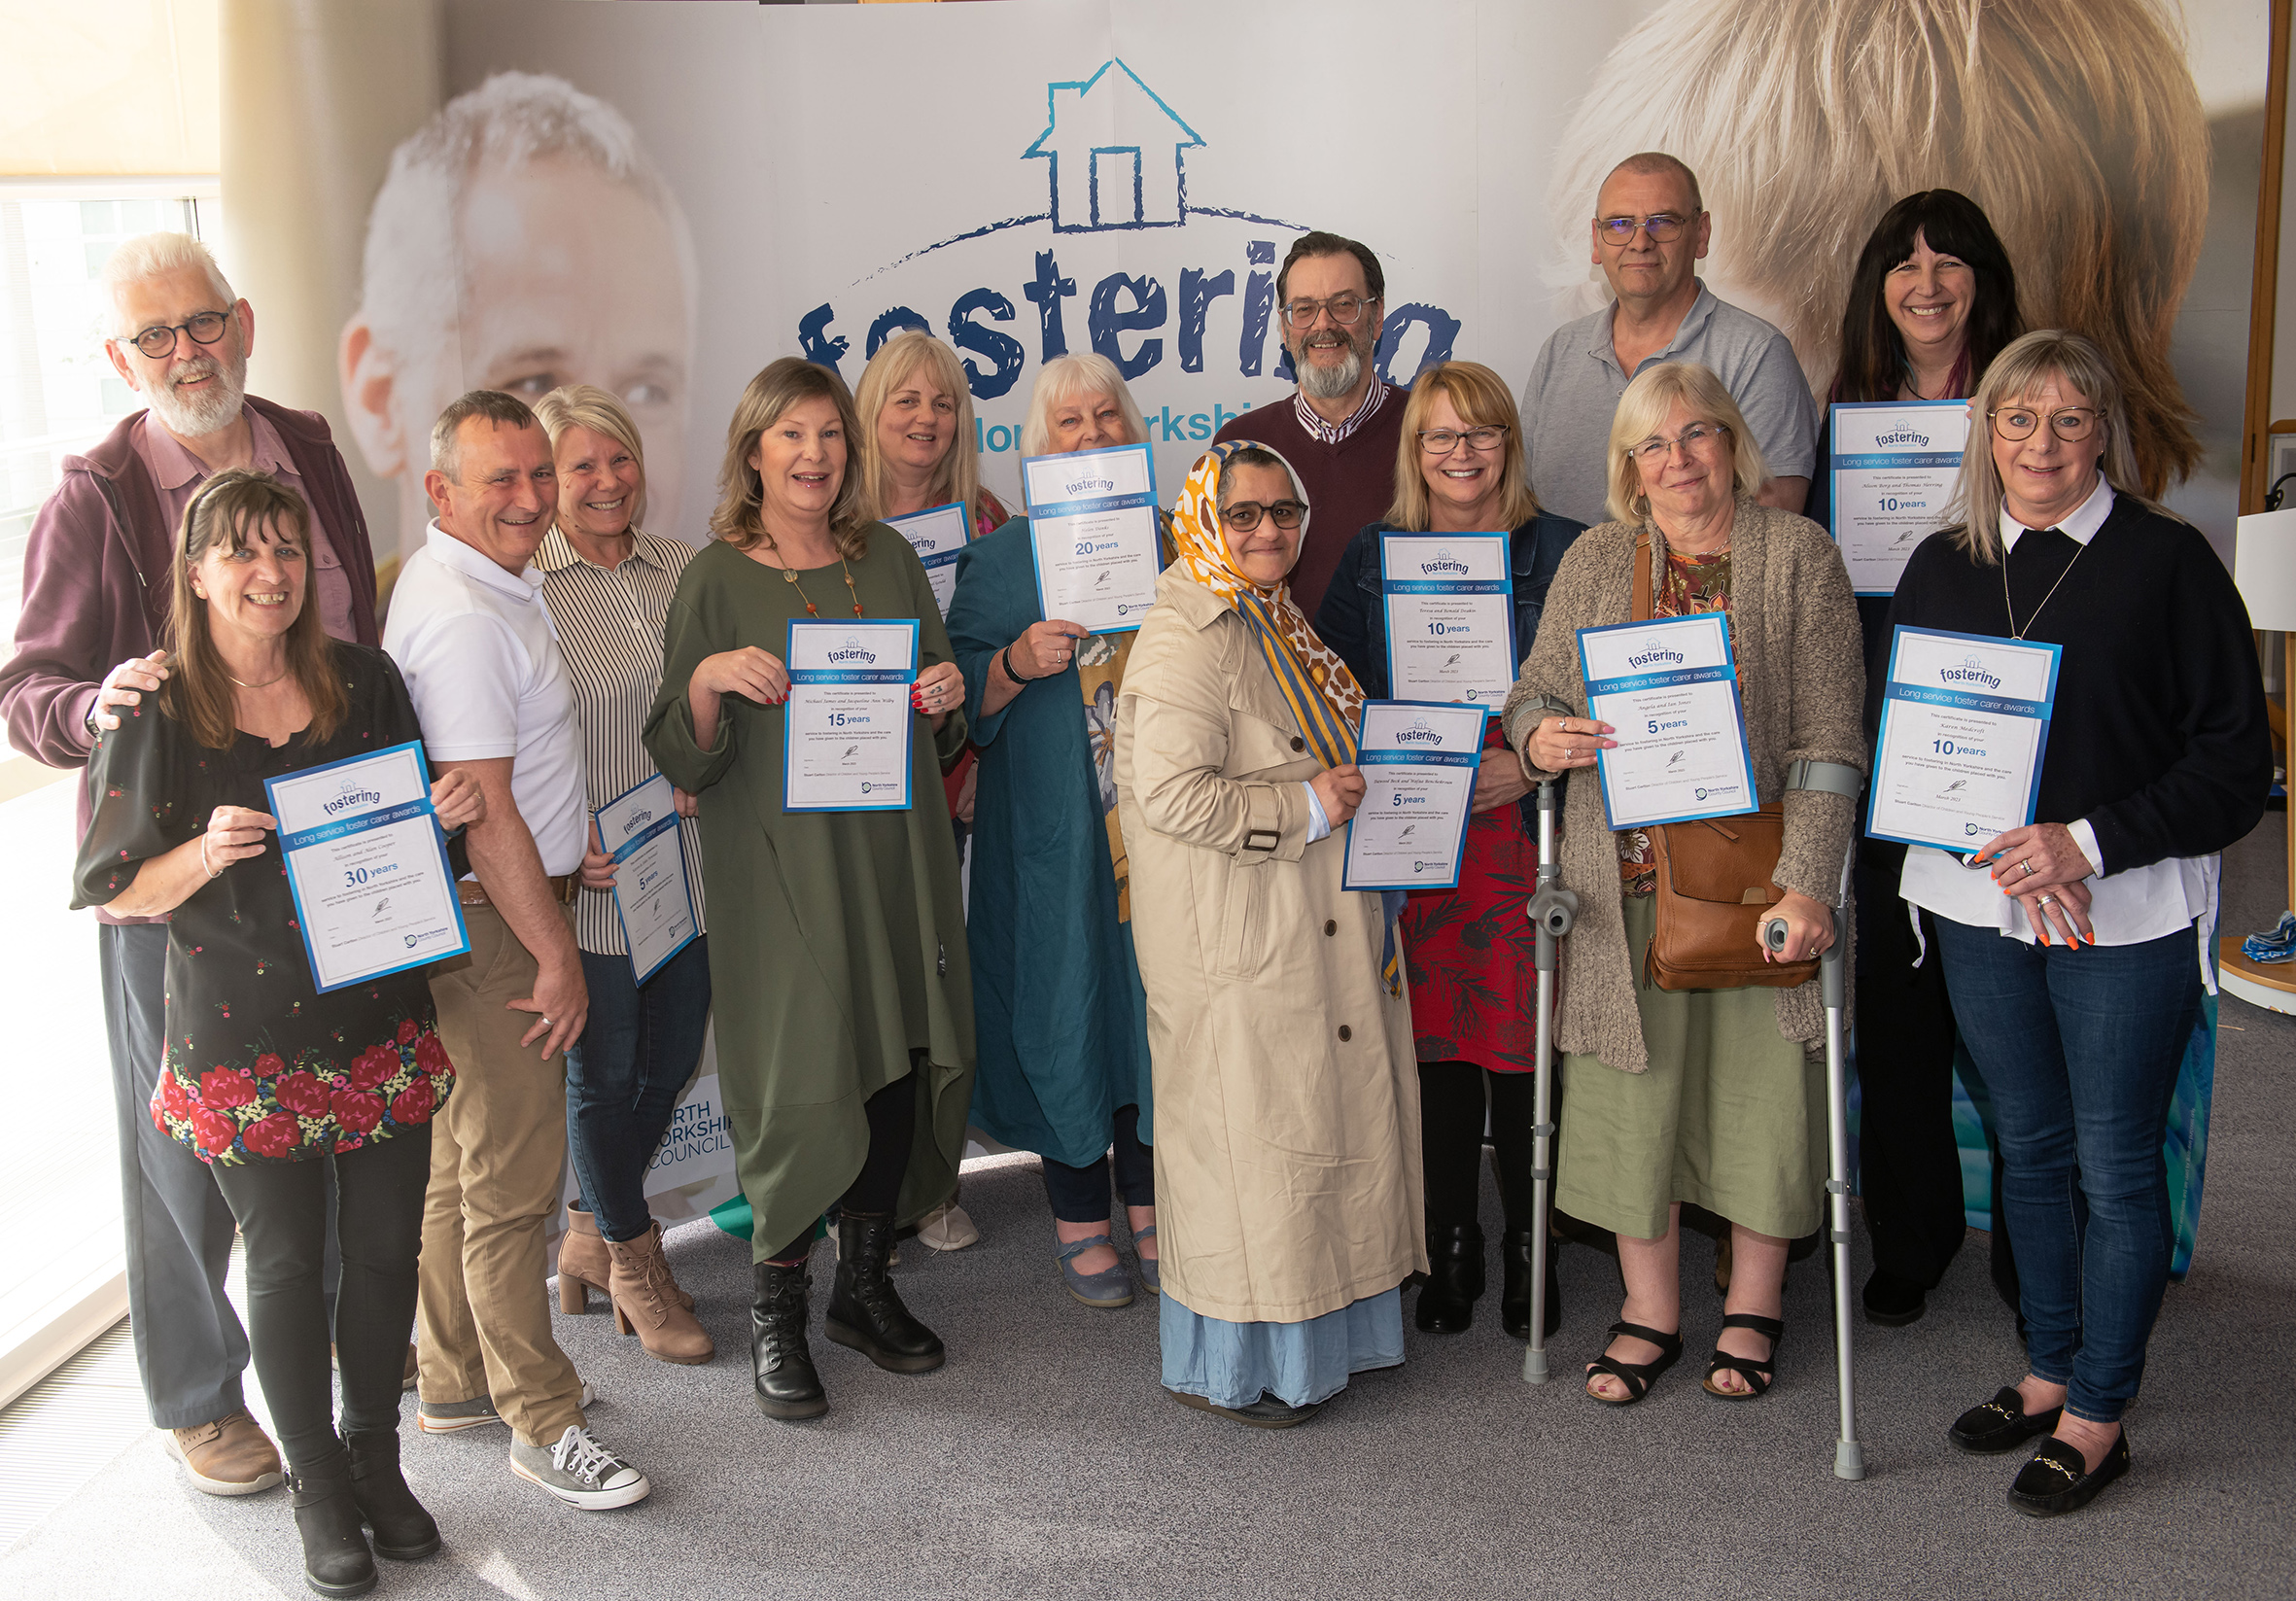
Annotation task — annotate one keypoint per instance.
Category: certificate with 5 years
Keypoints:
(638, 829)
(847, 723)
(366, 864)
(1965, 725)
(1669, 690)
(1418, 761)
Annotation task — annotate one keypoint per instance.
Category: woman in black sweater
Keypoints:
(2071, 946)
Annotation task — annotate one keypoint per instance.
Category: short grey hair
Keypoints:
(151, 256)
(446, 433)
(1062, 381)
(411, 297)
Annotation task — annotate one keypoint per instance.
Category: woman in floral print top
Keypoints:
(261, 1074)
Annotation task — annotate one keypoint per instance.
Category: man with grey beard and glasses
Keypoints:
(97, 573)
(1340, 429)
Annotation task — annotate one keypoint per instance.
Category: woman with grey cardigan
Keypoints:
(1704, 1095)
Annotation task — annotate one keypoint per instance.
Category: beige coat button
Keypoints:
(1299, 744)
(1329, 928)
(1346, 1034)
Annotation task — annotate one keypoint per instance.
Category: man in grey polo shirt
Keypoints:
(1648, 233)
(468, 629)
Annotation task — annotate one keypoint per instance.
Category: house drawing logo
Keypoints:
(1118, 153)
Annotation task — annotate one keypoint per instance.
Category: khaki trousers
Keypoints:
(497, 1153)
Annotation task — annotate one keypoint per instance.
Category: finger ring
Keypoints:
(2029, 867)
(547, 1023)
(2046, 900)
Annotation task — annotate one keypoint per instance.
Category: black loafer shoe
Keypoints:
(2059, 1480)
(2001, 1424)
(1267, 1413)
(1893, 1302)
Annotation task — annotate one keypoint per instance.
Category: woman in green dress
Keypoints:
(837, 952)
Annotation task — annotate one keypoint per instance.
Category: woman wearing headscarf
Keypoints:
(1287, 1150)
(1060, 1019)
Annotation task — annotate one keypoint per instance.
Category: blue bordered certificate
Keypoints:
(848, 724)
(367, 863)
(1893, 466)
(1670, 689)
(638, 829)
(938, 535)
(1091, 528)
(1965, 725)
(1419, 760)
(1450, 603)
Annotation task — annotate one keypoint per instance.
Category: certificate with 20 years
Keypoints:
(1669, 690)
(848, 722)
(1091, 528)
(1965, 725)
(366, 864)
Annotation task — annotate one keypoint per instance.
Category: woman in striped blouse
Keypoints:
(607, 584)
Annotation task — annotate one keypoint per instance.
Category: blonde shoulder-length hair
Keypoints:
(1642, 412)
(1065, 378)
(2018, 374)
(1481, 400)
(895, 365)
(739, 517)
(586, 405)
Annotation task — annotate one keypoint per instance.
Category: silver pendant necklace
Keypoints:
(2016, 633)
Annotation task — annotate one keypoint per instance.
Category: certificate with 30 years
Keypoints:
(1450, 603)
(1091, 528)
(1669, 689)
(366, 864)
(1893, 466)
(848, 722)
(1418, 760)
(1965, 725)
(638, 829)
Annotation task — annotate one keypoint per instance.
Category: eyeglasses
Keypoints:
(1663, 227)
(158, 340)
(2017, 421)
(1346, 310)
(1244, 516)
(1653, 450)
(1441, 442)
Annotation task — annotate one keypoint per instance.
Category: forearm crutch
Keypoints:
(1551, 910)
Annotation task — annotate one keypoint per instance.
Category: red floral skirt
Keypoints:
(271, 1110)
(1469, 951)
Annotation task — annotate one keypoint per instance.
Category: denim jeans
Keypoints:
(2080, 1048)
(624, 1076)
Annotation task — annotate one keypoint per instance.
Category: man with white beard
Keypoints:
(95, 603)
(1340, 431)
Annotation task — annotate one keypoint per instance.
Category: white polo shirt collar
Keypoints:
(2081, 527)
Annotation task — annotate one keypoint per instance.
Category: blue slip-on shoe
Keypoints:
(1147, 1263)
(2277, 945)
(1106, 1290)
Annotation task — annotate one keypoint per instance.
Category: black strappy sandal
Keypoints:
(1757, 1375)
(1637, 1376)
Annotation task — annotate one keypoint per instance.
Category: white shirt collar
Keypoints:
(449, 551)
(2081, 527)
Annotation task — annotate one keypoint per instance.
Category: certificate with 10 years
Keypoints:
(1450, 603)
(1965, 725)
(1893, 468)
(848, 722)
(1669, 689)
(366, 864)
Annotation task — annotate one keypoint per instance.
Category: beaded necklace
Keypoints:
(789, 574)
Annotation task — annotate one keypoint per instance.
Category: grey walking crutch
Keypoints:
(1551, 910)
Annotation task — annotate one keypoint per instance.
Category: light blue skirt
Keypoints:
(1232, 1364)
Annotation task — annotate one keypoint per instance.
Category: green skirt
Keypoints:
(1731, 1115)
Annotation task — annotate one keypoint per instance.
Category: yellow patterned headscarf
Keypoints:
(1323, 694)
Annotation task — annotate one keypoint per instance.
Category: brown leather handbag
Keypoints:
(1713, 886)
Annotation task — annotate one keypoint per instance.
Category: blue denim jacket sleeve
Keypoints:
(1351, 620)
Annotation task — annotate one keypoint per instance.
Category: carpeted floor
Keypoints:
(1044, 1460)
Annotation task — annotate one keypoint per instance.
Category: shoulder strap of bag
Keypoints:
(1642, 578)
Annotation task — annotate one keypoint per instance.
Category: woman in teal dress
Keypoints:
(1059, 1017)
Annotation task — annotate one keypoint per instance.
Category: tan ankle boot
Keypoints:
(645, 1303)
(583, 1264)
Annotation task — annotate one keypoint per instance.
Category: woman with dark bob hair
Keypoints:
(263, 1078)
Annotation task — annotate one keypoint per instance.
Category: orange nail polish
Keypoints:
(2044, 935)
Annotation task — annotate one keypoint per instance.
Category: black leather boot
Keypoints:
(336, 1557)
(403, 1531)
(865, 1310)
(1455, 1278)
(1515, 1294)
(788, 1386)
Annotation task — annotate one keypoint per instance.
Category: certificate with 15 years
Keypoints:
(938, 535)
(638, 829)
(1091, 528)
(1965, 725)
(847, 723)
(1450, 602)
(366, 864)
(1893, 466)
(1419, 761)
(1669, 689)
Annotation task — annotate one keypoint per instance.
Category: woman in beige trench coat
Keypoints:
(1287, 1148)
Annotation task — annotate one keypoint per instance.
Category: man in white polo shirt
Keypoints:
(468, 629)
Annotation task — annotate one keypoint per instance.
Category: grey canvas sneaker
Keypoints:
(452, 1416)
(579, 1472)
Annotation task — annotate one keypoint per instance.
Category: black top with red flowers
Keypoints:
(258, 1067)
